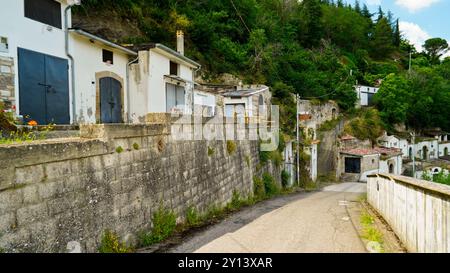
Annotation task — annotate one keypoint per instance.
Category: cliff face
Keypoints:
(108, 25)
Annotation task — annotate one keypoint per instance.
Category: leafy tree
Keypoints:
(381, 45)
(436, 48)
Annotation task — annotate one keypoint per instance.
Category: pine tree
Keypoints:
(397, 35)
(380, 13)
(381, 45)
(357, 7)
(311, 14)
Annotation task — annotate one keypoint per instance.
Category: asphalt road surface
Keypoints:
(314, 222)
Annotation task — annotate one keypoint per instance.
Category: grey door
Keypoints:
(43, 88)
(110, 100)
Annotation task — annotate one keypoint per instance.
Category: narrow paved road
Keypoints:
(300, 223)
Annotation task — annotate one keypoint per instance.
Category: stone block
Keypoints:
(7, 222)
(30, 194)
(29, 175)
(31, 214)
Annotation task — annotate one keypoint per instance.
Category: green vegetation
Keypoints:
(440, 178)
(192, 217)
(135, 146)
(258, 188)
(285, 177)
(370, 231)
(119, 150)
(329, 125)
(164, 224)
(247, 160)
(110, 244)
(211, 151)
(18, 137)
(270, 186)
(231, 147)
(367, 125)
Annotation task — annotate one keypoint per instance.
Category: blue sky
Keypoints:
(419, 19)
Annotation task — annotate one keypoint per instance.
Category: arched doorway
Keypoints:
(425, 153)
(411, 153)
(446, 151)
(391, 168)
(333, 113)
(110, 100)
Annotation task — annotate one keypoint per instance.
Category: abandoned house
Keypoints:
(58, 74)
(162, 81)
(356, 164)
(365, 95)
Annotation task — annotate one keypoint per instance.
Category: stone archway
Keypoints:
(98, 77)
(391, 168)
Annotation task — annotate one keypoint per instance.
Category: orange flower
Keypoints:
(32, 123)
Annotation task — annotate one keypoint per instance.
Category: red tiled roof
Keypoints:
(374, 151)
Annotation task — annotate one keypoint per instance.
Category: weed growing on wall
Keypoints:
(236, 201)
(135, 146)
(285, 177)
(110, 244)
(258, 188)
(119, 150)
(231, 147)
(211, 151)
(164, 224)
(247, 160)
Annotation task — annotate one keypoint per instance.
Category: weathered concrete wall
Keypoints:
(418, 211)
(58, 191)
(7, 91)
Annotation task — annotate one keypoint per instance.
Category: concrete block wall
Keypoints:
(417, 210)
(59, 191)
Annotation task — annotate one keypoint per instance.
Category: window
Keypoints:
(173, 68)
(175, 98)
(352, 165)
(44, 11)
(4, 44)
(108, 56)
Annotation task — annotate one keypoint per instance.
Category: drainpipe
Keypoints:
(128, 89)
(72, 61)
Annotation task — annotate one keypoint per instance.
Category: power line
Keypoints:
(242, 19)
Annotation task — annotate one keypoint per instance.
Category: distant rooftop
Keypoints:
(374, 151)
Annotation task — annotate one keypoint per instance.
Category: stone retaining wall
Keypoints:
(114, 177)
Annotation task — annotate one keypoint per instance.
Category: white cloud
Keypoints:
(374, 2)
(415, 5)
(415, 34)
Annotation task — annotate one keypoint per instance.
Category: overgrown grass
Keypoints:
(18, 137)
(285, 177)
(192, 217)
(270, 186)
(370, 231)
(366, 219)
(164, 224)
(111, 244)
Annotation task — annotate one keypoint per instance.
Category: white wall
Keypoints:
(418, 211)
(442, 147)
(398, 165)
(362, 92)
(29, 34)
(89, 61)
(244, 100)
(205, 99)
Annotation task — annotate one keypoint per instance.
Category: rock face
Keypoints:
(59, 192)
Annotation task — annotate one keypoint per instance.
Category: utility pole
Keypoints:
(413, 135)
(410, 61)
(297, 101)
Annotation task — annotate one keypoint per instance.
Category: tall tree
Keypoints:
(435, 49)
(310, 18)
(397, 35)
(381, 45)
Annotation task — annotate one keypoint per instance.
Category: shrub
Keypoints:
(270, 186)
(264, 157)
(236, 201)
(258, 188)
(164, 224)
(247, 160)
(231, 147)
(285, 177)
(110, 244)
(192, 217)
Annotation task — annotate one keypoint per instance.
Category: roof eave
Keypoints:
(103, 41)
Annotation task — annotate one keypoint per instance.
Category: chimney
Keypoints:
(180, 42)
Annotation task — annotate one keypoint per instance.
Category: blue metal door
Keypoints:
(43, 88)
(110, 100)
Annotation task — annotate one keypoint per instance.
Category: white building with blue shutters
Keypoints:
(51, 73)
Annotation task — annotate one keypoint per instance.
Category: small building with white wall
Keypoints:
(162, 81)
(365, 94)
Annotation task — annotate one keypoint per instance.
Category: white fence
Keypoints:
(417, 210)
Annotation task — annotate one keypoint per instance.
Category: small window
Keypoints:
(108, 56)
(4, 47)
(173, 68)
(44, 11)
